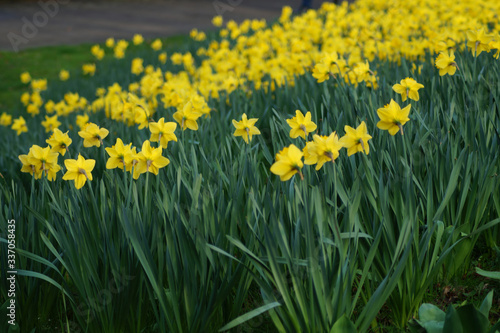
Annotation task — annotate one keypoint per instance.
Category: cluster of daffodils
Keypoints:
(321, 150)
(325, 149)
(44, 161)
(338, 41)
(477, 42)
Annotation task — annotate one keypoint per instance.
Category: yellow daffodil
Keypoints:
(149, 160)
(217, 21)
(33, 110)
(59, 141)
(446, 64)
(187, 117)
(79, 170)
(392, 117)
(88, 69)
(45, 161)
(50, 123)
(156, 45)
(356, 140)
(97, 52)
(137, 67)
(162, 132)
(137, 39)
(25, 77)
(28, 167)
(25, 98)
(301, 125)
(93, 135)
(478, 41)
(246, 128)
(82, 121)
(408, 89)
(288, 163)
(63, 75)
(120, 156)
(110, 42)
(19, 125)
(323, 149)
(162, 57)
(39, 85)
(5, 119)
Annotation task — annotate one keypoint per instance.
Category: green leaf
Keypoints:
(486, 305)
(343, 325)
(247, 316)
(472, 319)
(431, 318)
(452, 323)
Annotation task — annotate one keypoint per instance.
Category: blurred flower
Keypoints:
(138, 39)
(50, 123)
(5, 119)
(88, 69)
(246, 127)
(39, 85)
(217, 21)
(408, 88)
(162, 57)
(82, 121)
(63, 75)
(32, 109)
(19, 125)
(446, 64)
(97, 52)
(110, 42)
(156, 45)
(137, 67)
(478, 41)
(187, 117)
(25, 77)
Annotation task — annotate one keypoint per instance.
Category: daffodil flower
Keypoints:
(149, 160)
(356, 140)
(392, 117)
(288, 163)
(79, 170)
(246, 128)
(323, 149)
(408, 89)
(301, 125)
(59, 141)
(92, 135)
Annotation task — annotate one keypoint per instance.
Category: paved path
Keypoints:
(54, 22)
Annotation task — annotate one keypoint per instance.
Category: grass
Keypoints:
(46, 62)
